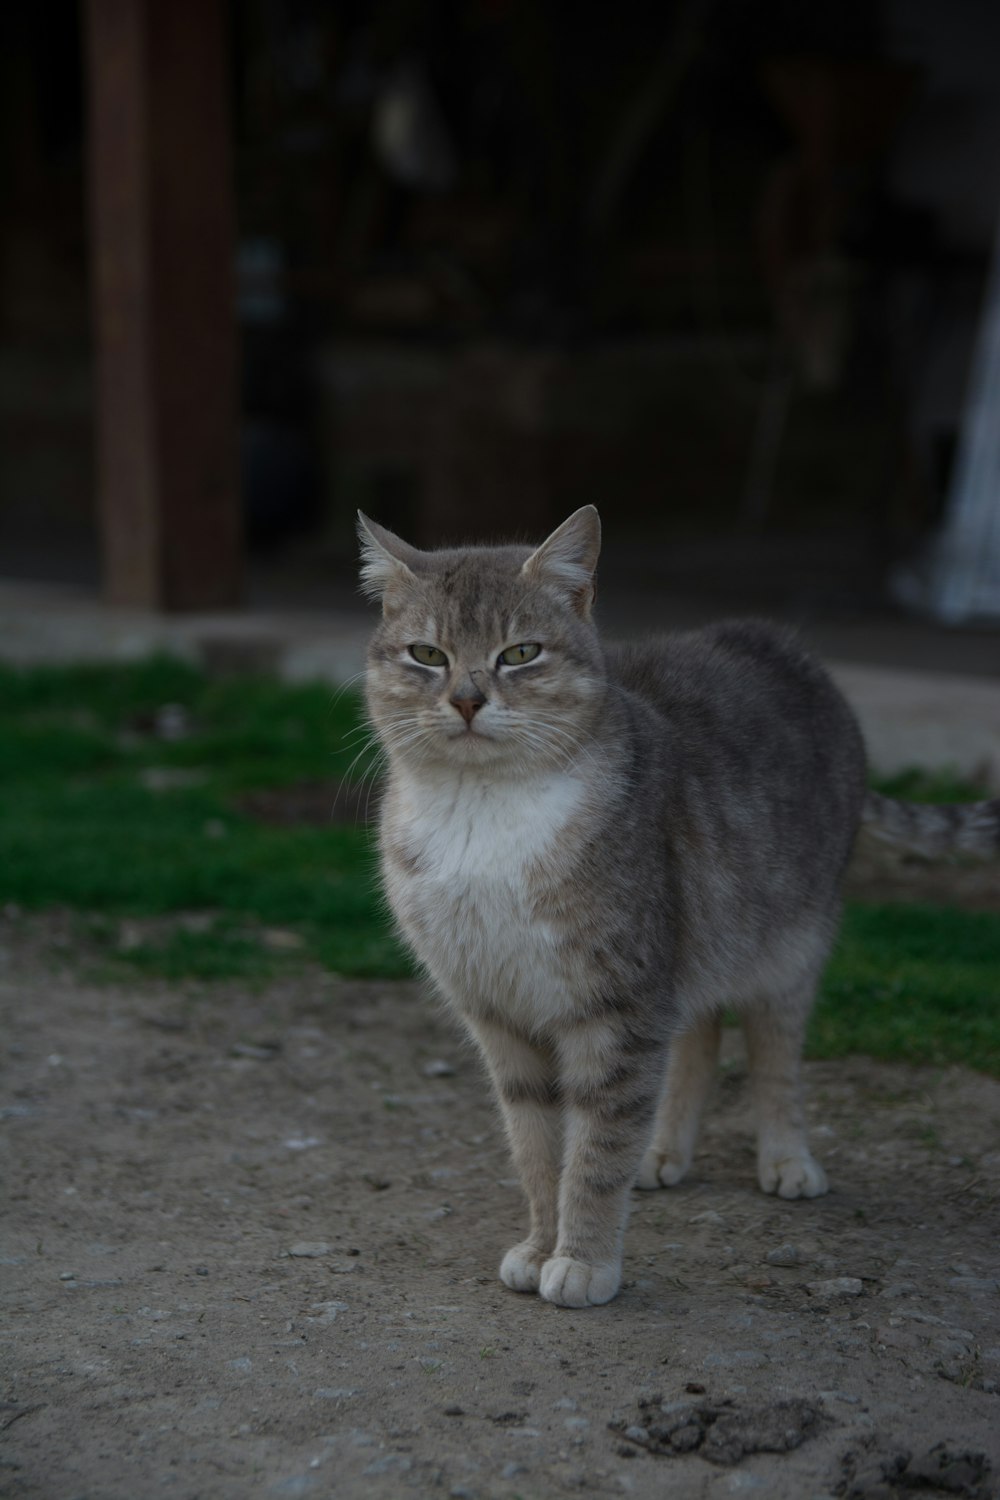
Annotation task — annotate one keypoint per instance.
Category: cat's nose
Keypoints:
(468, 704)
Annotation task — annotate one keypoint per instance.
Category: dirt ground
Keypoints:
(250, 1241)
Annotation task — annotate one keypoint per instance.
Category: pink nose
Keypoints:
(468, 707)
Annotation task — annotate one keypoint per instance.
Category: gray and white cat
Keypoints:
(593, 852)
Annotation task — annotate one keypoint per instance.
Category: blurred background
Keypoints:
(723, 269)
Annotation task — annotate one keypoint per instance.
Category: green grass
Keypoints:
(80, 826)
(914, 984)
(205, 884)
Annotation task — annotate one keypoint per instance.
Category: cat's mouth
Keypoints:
(469, 732)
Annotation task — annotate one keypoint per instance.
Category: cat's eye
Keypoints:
(428, 656)
(516, 656)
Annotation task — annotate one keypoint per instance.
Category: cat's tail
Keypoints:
(954, 828)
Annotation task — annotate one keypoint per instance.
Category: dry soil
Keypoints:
(249, 1249)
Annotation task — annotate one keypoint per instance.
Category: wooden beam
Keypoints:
(162, 251)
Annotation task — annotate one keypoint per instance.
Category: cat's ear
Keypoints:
(569, 557)
(387, 562)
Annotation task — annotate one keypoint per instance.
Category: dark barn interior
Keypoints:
(718, 268)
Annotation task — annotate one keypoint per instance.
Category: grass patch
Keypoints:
(916, 984)
(121, 795)
(930, 786)
(124, 797)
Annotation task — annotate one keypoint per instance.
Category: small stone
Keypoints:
(439, 1067)
(390, 1463)
(637, 1435)
(837, 1286)
(899, 1289)
(259, 1052)
(67, 1275)
(513, 1470)
(685, 1438)
(708, 1217)
(785, 1255)
(751, 1359)
(281, 940)
(310, 1249)
(454, 1411)
(974, 1284)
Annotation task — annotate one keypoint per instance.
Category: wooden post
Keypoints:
(162, 251)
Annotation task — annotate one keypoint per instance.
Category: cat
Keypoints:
(594, 851)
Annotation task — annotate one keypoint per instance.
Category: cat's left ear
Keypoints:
(387, 562)
(569, 558)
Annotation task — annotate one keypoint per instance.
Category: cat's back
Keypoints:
(751, 718)
(734, 678)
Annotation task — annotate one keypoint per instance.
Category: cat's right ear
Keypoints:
(569, 556)
(387, 562)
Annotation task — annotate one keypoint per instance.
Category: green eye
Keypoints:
(428, 656)
(515, 656)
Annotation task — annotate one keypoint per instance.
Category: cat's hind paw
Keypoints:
(574, 1283)
(521, 1267)
(661, 1169)
(793, 1176)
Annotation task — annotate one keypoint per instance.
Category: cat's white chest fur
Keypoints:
(465, 893)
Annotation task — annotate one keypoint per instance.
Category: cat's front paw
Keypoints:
(521, 1267)
(792, 1176)
(574, 1283)
(661, 1169)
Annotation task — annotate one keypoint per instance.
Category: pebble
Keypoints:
(974, 1284)
(438, 1067)
(310, 1249)
(257, 1053)
(294, 1487)
(708, 1217)
(67, 1275)
(392, 1463)
(753, 1359)
(325, 1312)
(837, 1286)
(785, 1255)
(512, 1471)
(899, 1289)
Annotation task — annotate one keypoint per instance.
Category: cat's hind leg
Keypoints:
(524, 1078)
(775, 1034)
(694, 1055)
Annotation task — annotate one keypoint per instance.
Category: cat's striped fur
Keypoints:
(593, 852)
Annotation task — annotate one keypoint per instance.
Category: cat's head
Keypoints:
(485, 656)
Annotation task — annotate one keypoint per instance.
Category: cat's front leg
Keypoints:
(523, 1075)
(610, 1084)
